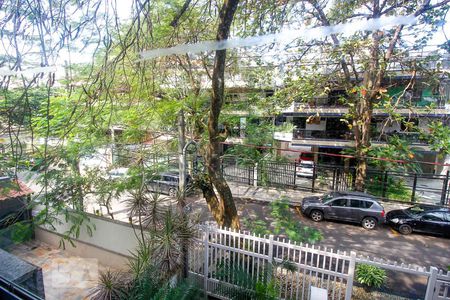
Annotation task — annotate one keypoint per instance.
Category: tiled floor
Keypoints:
(65, 276)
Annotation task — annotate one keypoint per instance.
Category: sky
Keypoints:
(124, 11)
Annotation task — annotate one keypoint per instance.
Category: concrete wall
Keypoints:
(111, 241)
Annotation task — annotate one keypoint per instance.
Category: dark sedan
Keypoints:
(421, 218)
(353, 207)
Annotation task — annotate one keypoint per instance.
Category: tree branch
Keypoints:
(183, 9)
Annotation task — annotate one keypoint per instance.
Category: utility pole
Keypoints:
(181, 159)
(181, 188)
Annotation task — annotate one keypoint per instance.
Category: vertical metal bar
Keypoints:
(413, 194)
(334, 180)
(295, 173)
(353, 179)
(351, 272)
(385, 183)
(445, 188)
(314, 177)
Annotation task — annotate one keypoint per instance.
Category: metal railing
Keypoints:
(387, 185)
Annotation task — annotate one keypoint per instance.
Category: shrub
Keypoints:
(370, 276)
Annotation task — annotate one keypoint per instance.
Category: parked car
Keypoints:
(353, 207)
(421, 218)
(118, 173)
(305, 169)
(167, 183)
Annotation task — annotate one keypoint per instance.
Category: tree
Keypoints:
(222, 205)
(364, 58)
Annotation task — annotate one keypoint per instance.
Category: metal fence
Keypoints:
(388, 185)
(239, 265)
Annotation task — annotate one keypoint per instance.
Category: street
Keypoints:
(381, 243)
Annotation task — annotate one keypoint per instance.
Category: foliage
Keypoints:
(247, 286)
(397, 155)
(119, 285)
(369, 275)
(258, 134)
(157, 260)
(112, 285)
(396, 188)
(284, 223)
(439, 137)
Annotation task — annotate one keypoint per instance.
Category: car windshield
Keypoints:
(414, 210)
(326, 197)
(306, 164)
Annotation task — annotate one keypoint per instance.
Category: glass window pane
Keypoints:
(339, 202)
(356, 203)
(434, 216)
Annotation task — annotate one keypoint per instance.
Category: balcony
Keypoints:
(345, 135)
(421, 101)
(301, 134)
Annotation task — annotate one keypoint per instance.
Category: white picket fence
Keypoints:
(230, 262)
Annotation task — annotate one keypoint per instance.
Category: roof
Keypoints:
(13, 189)
(431, 207)
(356, 194)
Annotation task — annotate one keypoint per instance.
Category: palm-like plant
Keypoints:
(137, 205)
(111, 286)
(154, 217)
(170, 241)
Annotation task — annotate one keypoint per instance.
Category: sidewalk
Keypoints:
(269, 194)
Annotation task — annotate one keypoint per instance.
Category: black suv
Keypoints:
(422, 218)
(353, 207)
(167, 183)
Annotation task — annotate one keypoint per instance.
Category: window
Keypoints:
(339, 202)
(360, 203)
(447, 216)
(433, 216)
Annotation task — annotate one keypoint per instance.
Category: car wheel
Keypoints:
(316, 215)
(405, 229)
(172, 192)
(369, 223)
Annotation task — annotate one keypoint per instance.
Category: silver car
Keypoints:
(353, 207)
(167, 183)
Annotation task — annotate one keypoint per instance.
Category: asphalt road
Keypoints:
(382, 242)
(417, 249)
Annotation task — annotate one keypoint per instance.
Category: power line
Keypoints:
(338, 155)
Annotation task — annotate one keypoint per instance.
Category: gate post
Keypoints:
(334, 180)
(351, 274)
(445, 188)
(270, 258)
(385, 183)
(413, 194)
(255, 175)
(206, 261)
(295, 173)
(353, 179)
(314, 178)
(431, 285)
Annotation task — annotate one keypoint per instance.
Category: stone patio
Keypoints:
(65, 276)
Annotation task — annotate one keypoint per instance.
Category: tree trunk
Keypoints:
(361, 126)
(364, 108)
(221, 204)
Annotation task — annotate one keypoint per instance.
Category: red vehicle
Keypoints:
(305, 156)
